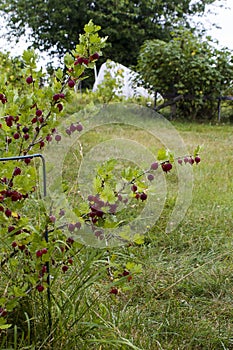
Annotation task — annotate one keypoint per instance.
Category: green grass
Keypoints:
(183, 298)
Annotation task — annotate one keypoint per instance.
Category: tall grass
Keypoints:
(183, 298)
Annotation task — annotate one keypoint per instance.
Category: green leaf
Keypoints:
(138, 239)
(68, 59)
(108, 194)
(5, 326)
(97, 184)
(197, 151)
(162, 154)
(59, 74)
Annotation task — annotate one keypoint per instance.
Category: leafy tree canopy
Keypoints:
(192, 71)
(56, 24)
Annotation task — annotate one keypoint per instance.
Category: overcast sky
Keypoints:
(223, 18)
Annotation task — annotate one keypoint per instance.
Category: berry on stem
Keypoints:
(29, 80)
(79, 127)
(150, 177)
(154, 166)
(38, 112)
(143, 196)
(65, 268)
(114, 291)
(58, 138)
(95, 56)
(17, 171)
(40, 288)
(71, 83)
(166, 167)
(134, 188)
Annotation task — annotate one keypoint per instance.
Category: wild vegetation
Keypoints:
(86, 260)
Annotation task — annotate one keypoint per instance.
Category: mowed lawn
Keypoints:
(184, 297)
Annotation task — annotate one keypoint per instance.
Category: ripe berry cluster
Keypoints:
(189, 160)
(73, 128)
(138, 195)
(3, 98)
(86, 60)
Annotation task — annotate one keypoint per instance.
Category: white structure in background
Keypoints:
(125, 77)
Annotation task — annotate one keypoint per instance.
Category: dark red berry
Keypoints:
(191, 160)
(11, 228)
(58, 138)
(86, 61)
(40, 288)
(44, 251)
(125, 273)
(29, 80)
(134, 188)
(197, 159)
(27, 160)
(143, 196)
(52, 218)
(78, 225)
(71, 83)
(166, 167)
(34, 120)
(70, 241)
(72, 127)
(150, 177)
(8, 212)
(79, 127)
(154, 166)
(60, 107)
(42, 144)
(62, 212)
(38, 112)
(65, 268)
(114, 291)
(14, 244)
(17, 171)
(44, 269)
(71, 227)
(3, 312)
(95, 56)
(26, 137)
(79, 60)
(39, 253)
(25, 129)
(56, 97)
(49, 138)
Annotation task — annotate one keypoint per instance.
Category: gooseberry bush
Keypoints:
(38, 243)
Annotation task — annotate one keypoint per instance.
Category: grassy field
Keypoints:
(183, 298)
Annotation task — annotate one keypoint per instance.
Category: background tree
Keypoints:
(190, 73)
(56, 24)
